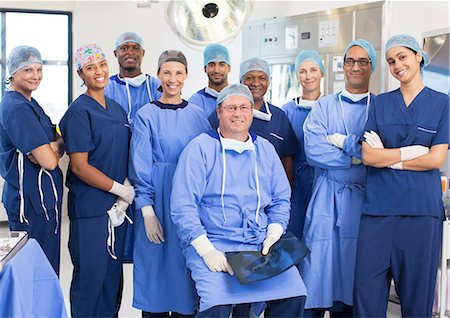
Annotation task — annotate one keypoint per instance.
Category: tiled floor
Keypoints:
(126, 311)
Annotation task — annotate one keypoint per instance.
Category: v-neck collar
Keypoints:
(105, 109)
(414, 101)
(409, 111)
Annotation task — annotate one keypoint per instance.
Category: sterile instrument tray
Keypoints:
(10, 245)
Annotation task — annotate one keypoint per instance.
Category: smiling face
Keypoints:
(357, 77)
(404, 64)
(217, 73)
(130, 55)
(27, 79)
(172, 76)
(309, 75)
(258, 83)
(95, 74)
(235, 117)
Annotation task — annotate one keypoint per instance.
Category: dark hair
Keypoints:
(415, 52)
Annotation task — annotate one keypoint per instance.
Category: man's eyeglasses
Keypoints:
(233, 108)
(361, 62)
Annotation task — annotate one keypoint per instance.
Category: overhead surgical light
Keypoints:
(201, 22)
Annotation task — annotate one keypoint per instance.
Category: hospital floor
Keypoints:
(126, 311)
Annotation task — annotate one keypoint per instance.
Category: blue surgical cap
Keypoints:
(234, 90)
(216, 53)
(408, 41)
(309, 55)
(22, 56)
(128, 37)
(254, 64)
(367, 47)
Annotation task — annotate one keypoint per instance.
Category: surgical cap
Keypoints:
(367, 47)
(234, 90)
(87, 53)
(128, 37)
(309, 55)
(408, 41)
(172, 56)
(254, 64)
(216, 53)
(22, 56)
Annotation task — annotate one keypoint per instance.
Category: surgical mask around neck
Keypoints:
(261, 115)
(236, 145)
(305, 103)
(211, 92)
(136, 81)
(354, 97)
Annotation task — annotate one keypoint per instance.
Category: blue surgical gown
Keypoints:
(132, 99)
(139, 96)
(24, 126)
(424, 122)
(197, 210)
(334, 211)
(303, 172)
(160, 132)
(205, 101)
(278, 131)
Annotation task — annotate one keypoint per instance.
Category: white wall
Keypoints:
(103, 21)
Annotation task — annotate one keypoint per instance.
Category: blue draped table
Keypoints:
(29, 286)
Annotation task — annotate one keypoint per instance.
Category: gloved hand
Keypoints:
(213, 258)
(274, 232)
(125, 191)
(396, 166)
(373, 139)
(336, 140)
(356, 161)
(412, 152)
(116, 216)
(152, 226)
(121, 204)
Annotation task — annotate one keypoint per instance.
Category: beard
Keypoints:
(217, 82)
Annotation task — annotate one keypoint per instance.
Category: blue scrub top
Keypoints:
(104, 134)
(297, 116)
(117, 90)
(424, 122)
(205, 101)
(278, 130)
(25, 126)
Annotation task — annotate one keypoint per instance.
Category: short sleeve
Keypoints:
(443, 132)
(27, 139)
(76, 131)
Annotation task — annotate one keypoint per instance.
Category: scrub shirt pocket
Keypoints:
(425, 135)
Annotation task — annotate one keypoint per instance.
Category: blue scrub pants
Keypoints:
(146, 314)
(43, 231)
(339, 310)
(289, 307)
(96, 287)
(129, 238)
(405, 248)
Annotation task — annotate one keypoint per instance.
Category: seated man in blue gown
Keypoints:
(231, 194)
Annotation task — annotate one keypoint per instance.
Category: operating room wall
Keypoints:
(102, 21)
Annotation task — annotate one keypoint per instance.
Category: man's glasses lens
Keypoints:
(361, 62)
